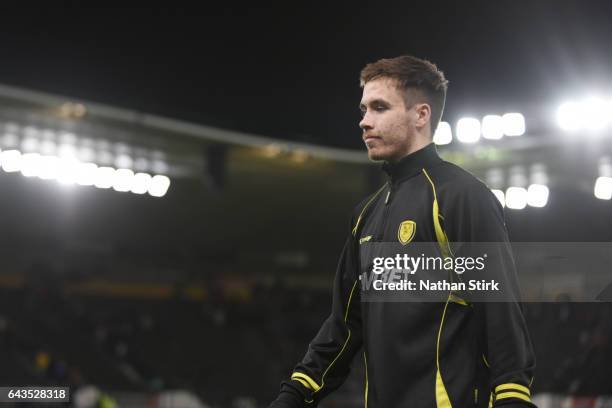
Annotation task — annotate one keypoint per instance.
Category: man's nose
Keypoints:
(366, 122)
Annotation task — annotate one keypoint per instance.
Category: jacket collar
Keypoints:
(412, 164)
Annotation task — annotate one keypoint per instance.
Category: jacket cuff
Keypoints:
(292, 395)
(512, 395)
(515, 404)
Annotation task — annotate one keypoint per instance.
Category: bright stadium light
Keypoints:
(500, 196)
(9, 140)
(159, 166)
(513, 124)
(123, 161)
(603, 188)
(443, 135)
(105, 157)
(10, 160)
(30, 164)
(568, 116)
(68, 171)
(123, 180)
(468, 130)
(86, 154)
(492, 127)
(105, 177)
(141, 164)
(67, 138)
(596, 113)
(67, 151)
(31, 132)
(48, 168)
(593, 114)
(537, 195)
(516, 198)
(604, 166)
(140, 183)
(86, 174)
(29, 144)
(48, 147)
(159, 186)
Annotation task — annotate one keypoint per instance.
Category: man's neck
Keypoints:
(415, 147)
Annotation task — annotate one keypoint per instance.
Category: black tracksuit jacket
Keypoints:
(429, 354)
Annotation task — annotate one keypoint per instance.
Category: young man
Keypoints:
(455, 353)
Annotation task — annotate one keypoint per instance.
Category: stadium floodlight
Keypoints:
(605, 166)
(67, 138)
(30, 164)
(32, 132)
(603, 188)
(67, 151)
(68, 171)
(86, 174)
(513, 124)
(10, 160)
(492, 127)
(29, 144)
(141, 164)
(140, 183)
(500, 196)
(48, 167)
(159, 186)
(537, 195)
(494, 178)
(123, 180)
(105, 157)
(48, 147)
(468, 130)
(49, 134)
(159, 166)
(516, 198)
(123, 161)
(104, 177)
(596, 113)
(569, 116)
(86, 154)
(9, 140)
(443, 135)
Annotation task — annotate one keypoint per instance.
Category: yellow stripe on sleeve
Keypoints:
(518, 395)
(312, 384)
(304, 383)
(512, 386)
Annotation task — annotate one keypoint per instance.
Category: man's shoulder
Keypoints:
(456, 185)
(451, 178)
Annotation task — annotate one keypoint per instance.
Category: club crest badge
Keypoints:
(406, 231)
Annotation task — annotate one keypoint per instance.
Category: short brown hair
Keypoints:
(412, 73)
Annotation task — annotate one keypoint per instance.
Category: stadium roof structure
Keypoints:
(256, 200)
(182, 145)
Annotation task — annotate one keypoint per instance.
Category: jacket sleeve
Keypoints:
(474, 215)
(327, 361)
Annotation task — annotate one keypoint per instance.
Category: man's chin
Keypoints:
(376, 156)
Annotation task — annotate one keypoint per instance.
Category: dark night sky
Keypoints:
(292, 72)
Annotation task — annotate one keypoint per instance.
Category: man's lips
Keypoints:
(370, 137)
(371, 141)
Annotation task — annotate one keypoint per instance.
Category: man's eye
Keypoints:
(380, 108)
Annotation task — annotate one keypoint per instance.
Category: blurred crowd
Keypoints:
(233, 353)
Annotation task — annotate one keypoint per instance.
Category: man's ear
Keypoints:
(423, 111)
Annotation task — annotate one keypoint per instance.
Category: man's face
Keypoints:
(389, 129)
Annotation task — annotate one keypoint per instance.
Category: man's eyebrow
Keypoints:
(373, 102)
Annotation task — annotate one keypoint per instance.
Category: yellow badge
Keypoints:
(406, 231)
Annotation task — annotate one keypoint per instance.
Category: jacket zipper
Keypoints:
(386, 211)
